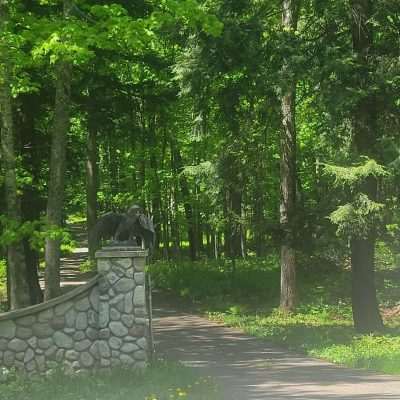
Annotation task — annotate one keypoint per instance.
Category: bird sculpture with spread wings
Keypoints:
(125, 229)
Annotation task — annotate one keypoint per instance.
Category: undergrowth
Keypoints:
(162, 382)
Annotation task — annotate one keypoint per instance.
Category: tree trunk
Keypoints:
(258, 218)
(227, 228)
(32, 205)
(31, 208)
(235, 203)
(165, 234)
(17, 270)
(32, 265)
(175, 234)
(112, 165)
(91, 178)
(55, 200)
(186, 202)
(197, 222)
(366, 314)
(288, 173)
(156, 186)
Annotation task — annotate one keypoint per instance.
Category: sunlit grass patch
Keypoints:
(376, 352)
(3, 283)
(77, 218)
(163, 382)
(326, 334)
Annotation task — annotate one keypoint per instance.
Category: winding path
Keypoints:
(248, 368)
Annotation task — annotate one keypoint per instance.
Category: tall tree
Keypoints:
(32, 204)
(17, 269)
(288, 165)
(364, 123)
(179, 166)
(55, 202)
(91, 172)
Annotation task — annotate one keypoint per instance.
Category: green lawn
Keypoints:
(162, 382)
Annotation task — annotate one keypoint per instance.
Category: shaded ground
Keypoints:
(248, 368)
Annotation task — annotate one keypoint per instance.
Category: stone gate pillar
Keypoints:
(123, 320)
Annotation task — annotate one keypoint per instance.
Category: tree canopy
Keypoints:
(244, 127)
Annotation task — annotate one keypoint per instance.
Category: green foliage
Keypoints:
(378, 353)
(191, 13)
(35, 231)
(309, 328)
(3, 270)
(219, 282)
(359, 218)
(76, 219)
(56, 49)
(362, 215)
(87, 266)
(163, 381)
(204, 169)
(353, 176)
(3, 281)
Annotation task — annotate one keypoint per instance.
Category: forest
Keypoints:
(261, 136)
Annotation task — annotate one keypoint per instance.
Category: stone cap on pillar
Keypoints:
(121, 252)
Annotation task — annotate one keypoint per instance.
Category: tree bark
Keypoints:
(259, 202)
(156, 193)
(56, 188)
(32, 204)
(17, 270)
(365, 307)
(56, 183)
(175, 234)
(288, 172)
(186, 202)
(91, 177)
(29, 145)
(32, 264)
(235, 205)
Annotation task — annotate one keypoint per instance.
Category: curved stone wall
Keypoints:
(100, 324)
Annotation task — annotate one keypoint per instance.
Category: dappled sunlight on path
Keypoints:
(70, 274)
(249, 368)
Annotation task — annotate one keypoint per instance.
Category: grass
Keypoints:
(325, 333)
(3, 283)
(219, 283)
(247, 296)
(162, 382)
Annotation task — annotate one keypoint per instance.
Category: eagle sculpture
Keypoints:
(125, 228)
